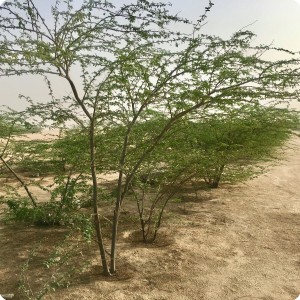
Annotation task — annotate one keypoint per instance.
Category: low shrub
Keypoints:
(49, 214)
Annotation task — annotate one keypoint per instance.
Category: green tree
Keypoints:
(228, 144)
(132, 65)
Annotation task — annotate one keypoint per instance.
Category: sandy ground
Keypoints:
(237, 242)
(45, 135)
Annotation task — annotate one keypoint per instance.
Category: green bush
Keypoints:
(49, 214)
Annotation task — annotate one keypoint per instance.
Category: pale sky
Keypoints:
(275, 21)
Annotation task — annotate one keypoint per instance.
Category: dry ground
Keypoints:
(237, 242)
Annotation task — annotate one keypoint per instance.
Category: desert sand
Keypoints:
(236, 242)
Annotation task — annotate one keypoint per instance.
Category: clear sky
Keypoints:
(275, 21)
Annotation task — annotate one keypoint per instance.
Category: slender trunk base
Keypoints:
(106, 271)
(114, 239)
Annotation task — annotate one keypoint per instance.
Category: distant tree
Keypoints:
(131, 66)
(228, 144)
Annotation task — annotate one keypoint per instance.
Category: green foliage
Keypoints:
(12, 123)
(68, 194)
(229, 143)
(70, 190)
(71, 150)
(33, 157)
(46, 214)
(49, 214)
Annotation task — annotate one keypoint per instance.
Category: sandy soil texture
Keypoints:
(236, 242)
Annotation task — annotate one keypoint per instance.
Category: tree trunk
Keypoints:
(97, 223)
(24, 185)
(217, 178)
(115, 225)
